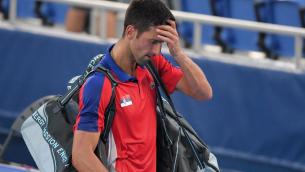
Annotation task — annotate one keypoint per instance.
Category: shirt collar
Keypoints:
(109, 63)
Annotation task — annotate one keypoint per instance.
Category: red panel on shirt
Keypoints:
(169, 74)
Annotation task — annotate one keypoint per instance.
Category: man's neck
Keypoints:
(123, 57)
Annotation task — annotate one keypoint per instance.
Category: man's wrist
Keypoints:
(178, 53)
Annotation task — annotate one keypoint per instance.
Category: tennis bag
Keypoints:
(179, 148)
(48, 132)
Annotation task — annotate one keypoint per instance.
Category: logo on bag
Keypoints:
(54, 145)
(126, 101)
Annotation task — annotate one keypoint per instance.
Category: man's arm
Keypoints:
(193, 83)
(83, 157)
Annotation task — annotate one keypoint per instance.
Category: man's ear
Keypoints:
(130, 32)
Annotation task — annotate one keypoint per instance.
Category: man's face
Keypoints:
(145, 45)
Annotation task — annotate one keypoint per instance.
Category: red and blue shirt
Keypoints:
(132, 139)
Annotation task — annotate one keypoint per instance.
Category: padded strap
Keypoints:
(110, 110)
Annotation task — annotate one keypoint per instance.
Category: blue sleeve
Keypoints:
(90, 98)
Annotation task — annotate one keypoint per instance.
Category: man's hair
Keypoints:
(143, 14)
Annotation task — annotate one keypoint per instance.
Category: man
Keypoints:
(132, 140)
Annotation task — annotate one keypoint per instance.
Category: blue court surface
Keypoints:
(12, 168)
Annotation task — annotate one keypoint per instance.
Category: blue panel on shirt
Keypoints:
(91, 99)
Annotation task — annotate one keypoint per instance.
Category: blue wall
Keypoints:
(255, 121)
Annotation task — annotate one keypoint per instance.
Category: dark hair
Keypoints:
(143, 14)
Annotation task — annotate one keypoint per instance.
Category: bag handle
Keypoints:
(63, 100)
(159, 83)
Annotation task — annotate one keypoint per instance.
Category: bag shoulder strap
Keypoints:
(159, 83)
(110, 109)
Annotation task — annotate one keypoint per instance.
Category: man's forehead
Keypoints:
(151, 32)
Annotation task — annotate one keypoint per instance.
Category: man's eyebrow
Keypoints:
(156, 41)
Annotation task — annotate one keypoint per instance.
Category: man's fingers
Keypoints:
(172, 23)
(165, 33)
(171, 39)
(168, 29)
(166, 39)
(169, 34)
